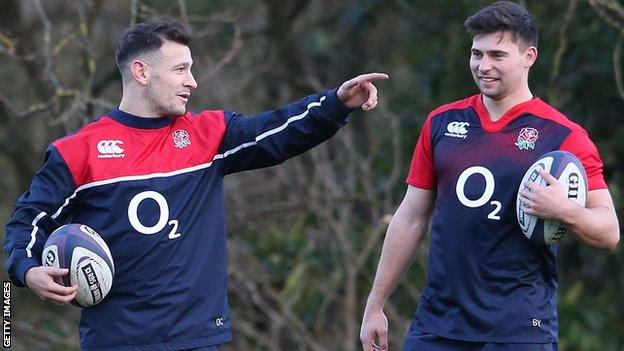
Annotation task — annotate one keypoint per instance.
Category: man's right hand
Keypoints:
(374, 329)
(41, 281)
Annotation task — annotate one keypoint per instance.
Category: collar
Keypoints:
(511, 114)
(135, 121)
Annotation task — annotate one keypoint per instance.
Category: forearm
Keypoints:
(37, 213)
(274, 136)
(595, 226)
(23, 242)
(405, 233)
(399, 249)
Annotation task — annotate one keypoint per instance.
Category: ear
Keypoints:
(140, 71)
(530, 56)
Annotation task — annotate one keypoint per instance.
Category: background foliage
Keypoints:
(305, 236)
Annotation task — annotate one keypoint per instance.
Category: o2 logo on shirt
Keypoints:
(163, 220)
(487, 192)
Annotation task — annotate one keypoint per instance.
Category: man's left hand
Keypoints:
(548, 202)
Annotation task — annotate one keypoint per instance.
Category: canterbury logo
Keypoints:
(110, 149)
(457, 130)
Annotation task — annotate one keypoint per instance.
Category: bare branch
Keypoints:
(617, 66)
(134, 12)
(251, 330)
(46, 105)
(9, 106)
(397, 155)
(183, 13)
(47, 44)
(561, 49)
(233, 51)
(284, 317)
(7, 45)
(611, 11)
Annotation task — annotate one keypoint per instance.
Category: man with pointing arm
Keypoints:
(148, 177)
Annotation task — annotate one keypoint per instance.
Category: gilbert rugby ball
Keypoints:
(568, 169)
(81, 250)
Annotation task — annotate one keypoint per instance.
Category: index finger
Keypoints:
(367, 346)
(367, 342)
(62, 299)
(548, 177)
(532, 186)
(372, 77)
(383, 339)
(62, 290)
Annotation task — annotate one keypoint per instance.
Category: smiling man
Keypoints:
(148, 177)
(489, 288)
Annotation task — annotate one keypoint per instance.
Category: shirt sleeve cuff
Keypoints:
(340, 112)
(20, 270)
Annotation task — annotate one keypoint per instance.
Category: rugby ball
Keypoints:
(568, 169)
(81, 250)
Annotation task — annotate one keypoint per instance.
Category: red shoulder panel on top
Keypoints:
(541, 109)
(74, 148)
(422, 170)
(577, 142)
(106, 149)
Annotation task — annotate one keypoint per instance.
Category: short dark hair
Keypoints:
(149, 36)
(504, 16)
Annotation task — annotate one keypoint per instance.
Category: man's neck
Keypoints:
(497, 108)
(129, 104)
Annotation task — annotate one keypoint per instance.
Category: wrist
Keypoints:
(569, 212)
(339, 101)
(28, 270)
(375, 302)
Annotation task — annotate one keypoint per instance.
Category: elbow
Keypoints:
(611, 240)
(610, 246)
(607, 241)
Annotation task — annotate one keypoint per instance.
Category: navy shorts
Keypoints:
(419, 341)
